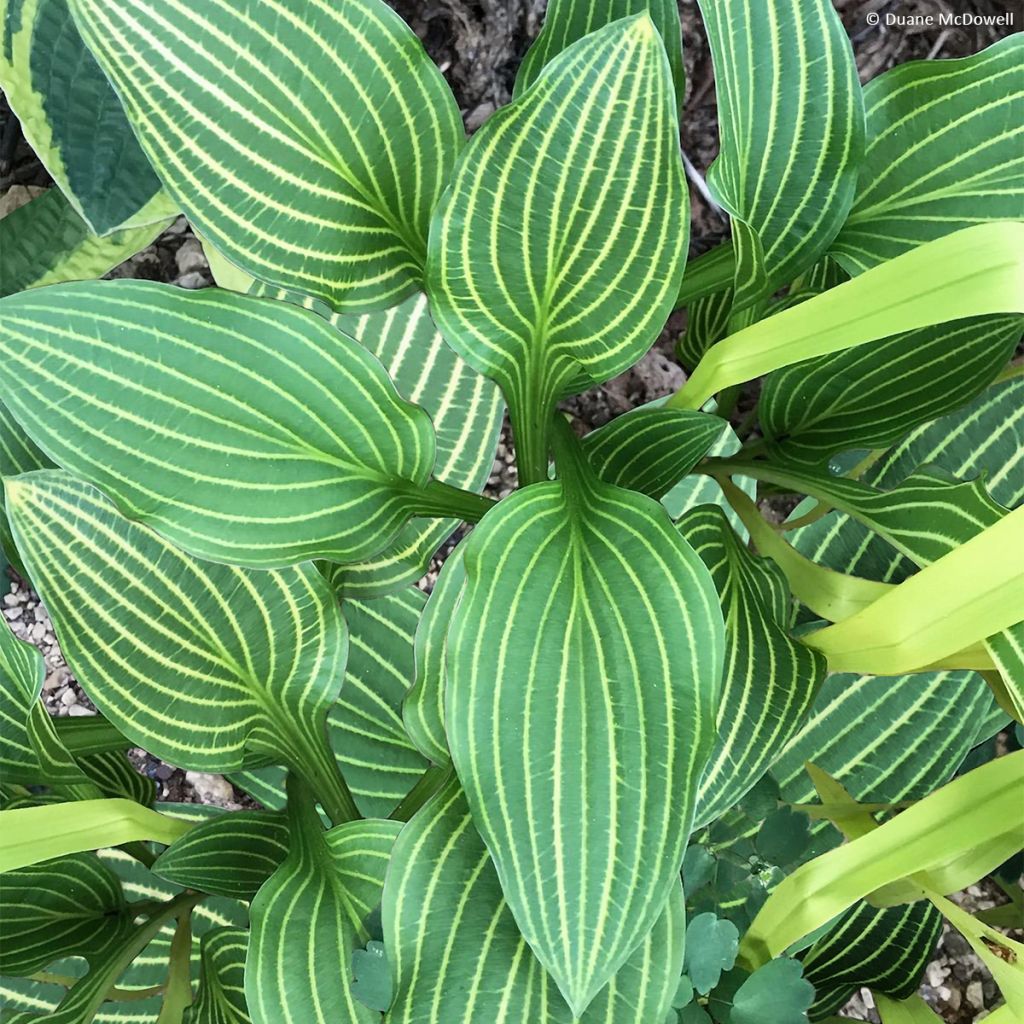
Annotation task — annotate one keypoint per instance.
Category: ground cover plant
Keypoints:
(645, 753)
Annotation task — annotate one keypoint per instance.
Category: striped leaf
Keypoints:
(707, 322)
(785, 74)
(221, 995)
(73, 121)
(320, 135)
(207, 666)
(458, 958)
(21, 681)
(567, 21)
(378, 759)
(556, 256)
(70, 906)
(651, 449)
(47, 242)
(113, 775)
(580, 723)
(209, 416)
(869, 397)
(944, 150)
(886, 950)
(310, 912)
(229, 855)
(18, 454)
(769, 680)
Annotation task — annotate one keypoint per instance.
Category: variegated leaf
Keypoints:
(784, 74)
(555, 258)
(580, 723)
(221, 995)
(319, 136)
(457, 956)
(18, 454)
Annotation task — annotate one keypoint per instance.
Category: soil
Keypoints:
(478, 45)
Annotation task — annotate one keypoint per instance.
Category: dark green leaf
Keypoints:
(776, 993)
(711, 946)
(221, 995)
(371, 976)
(783, 837)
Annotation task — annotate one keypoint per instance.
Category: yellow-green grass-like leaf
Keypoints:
(566, 21)
(244, 430)
(770, 679)
(221, 995)
(35, 834)
(207, 666)
(580, 723)
(455, 952)
(972, 272)
(309, 142)
(945, 150)
(378, 758)
(47, 242)
(784, 74)
(556, 256)
(311, 912)
(954, 836)
(74, 122)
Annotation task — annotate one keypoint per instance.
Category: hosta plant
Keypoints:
(651, 750)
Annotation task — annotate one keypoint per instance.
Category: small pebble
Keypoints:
(69, 697)
(79, 711)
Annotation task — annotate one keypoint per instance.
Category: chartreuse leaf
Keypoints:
(47, 242)
(919, 180)
(207, 666)
(556, 256)
(577, 744)
(769, 680)
(784, 73)
(311, 912)
(339, 100)
(378, 759)
(968, 273)
(244, 430)
(711, 945)
(230, 855)
(221, 995)
(69, 906)
(73, 120)
(567, 21)
(35, 834)
(651, 449)
(953, 836)
(886, 950)
(861, 398)
(916, 1011)
(457, 956)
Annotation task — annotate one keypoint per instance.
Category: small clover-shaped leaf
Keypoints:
(776, 993)
(698, 868)
(684, 993)
(783, 836)
(711, 946)
(372, 977)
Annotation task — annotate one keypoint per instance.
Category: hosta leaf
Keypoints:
(784, 73)
(651, 449)
(21, 681)
(230, 855)
(336, 101)
(886, 950)
(114, 775)
(944, 151)
(707, 322)
(379, 761)
(46, 242)
(860, 398)
(566, 21)
(457, 956)
(556, 256)
(310, 912)
(208, 415)
(601, 783)
(69, 906)
(73, 121)
(18, 454)
(207, 666)
(221, 995)
(769, 680)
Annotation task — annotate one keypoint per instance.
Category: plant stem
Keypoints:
(708, 273)
(443, 500)
(323, 776)
(428, 784)
(530, 435)
(178, 988)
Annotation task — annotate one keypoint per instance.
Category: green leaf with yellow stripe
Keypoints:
(221, 995)
(556, 256)
(945, 150)
(74, 122)
(580, 721)
(244, 430)
(18, 454)
(784, 75)
(311, 913)
(458, 958)
(207, 666)
(319, 136)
